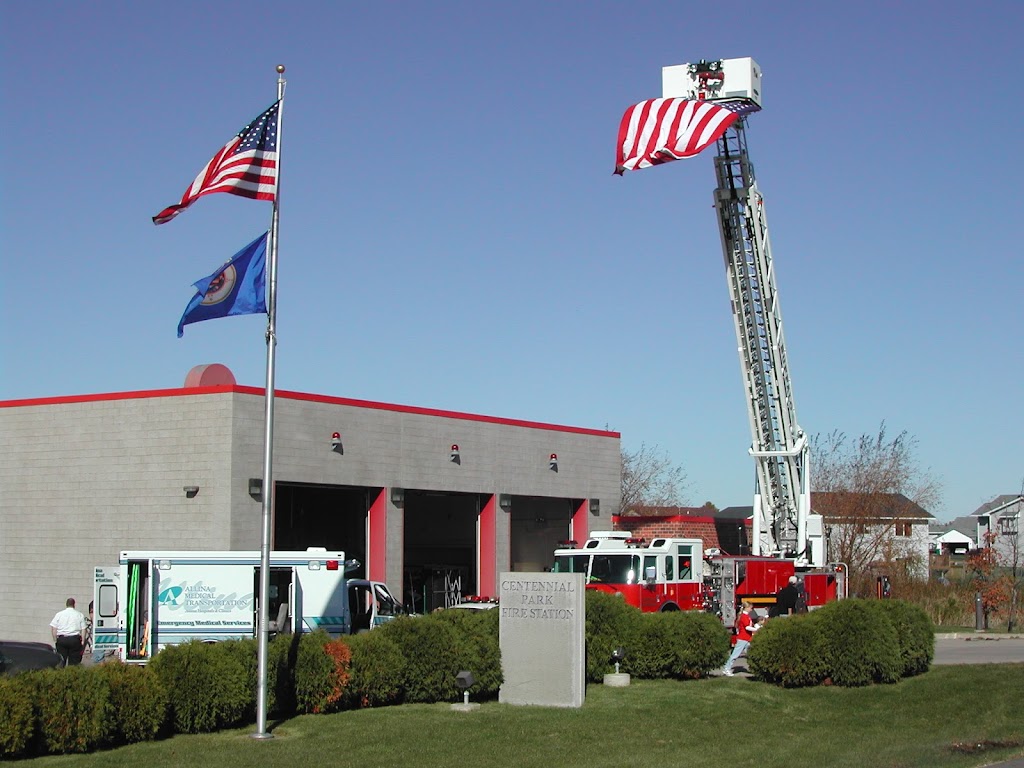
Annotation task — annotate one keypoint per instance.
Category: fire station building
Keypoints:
(435, 503)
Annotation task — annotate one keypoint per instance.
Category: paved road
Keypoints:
(979, 649)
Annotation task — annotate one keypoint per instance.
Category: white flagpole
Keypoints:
(268, 438)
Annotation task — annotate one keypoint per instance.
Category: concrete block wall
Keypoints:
(80, 481)
(390, 446)
(82, 478)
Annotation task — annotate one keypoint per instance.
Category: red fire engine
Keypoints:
(665, 575)
(678, 575)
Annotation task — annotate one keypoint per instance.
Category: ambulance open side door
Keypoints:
(284, 607)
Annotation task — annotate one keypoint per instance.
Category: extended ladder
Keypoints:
(782, 522)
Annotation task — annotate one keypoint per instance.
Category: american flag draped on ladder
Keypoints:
(246, 166)
(657, 131)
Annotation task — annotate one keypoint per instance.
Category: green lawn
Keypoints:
(715, 722)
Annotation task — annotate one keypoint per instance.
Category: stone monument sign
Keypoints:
(541, 630)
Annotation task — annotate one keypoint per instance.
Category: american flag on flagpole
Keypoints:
(246, 166)
(657, 131)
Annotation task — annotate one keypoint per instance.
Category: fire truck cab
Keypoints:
(663, 575)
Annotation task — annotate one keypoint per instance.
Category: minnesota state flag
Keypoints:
(237, 288)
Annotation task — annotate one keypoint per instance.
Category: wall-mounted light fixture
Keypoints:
(256, 487)
(505, 501)
(453, 455)
(595, 506)
(398, 496)
(191, 490)
(336, 445)
(553, 462)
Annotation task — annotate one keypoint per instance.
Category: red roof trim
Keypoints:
(305, 397)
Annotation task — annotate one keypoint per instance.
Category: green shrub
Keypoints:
(859, 643)
(482, 645)
(243, 655)
(138, 702)
(916, 635)
(650, 654)
(321, 673)
(433, 651)
(72, 709)
(206, 685)
(789, 652)
(611, 624)
(378, 669)
(700, 643)
(17, 723)
(282, 652)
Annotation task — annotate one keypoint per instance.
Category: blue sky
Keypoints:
(452, 235)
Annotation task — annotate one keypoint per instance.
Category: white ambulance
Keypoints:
(150, 600)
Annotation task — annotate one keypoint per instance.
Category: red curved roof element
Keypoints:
(210, 375)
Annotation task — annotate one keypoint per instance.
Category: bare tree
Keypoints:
(874, 485)
(650, 478)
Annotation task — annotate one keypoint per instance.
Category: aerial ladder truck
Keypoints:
(783, 526)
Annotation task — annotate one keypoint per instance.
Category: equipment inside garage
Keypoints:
(440, 548)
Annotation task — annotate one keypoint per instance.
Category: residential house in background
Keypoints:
(999, 521)
(868, 531)
(951, 543)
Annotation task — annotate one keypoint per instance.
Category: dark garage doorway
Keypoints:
(331, 516)
(440, 548)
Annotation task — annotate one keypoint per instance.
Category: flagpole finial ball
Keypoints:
(280, 69)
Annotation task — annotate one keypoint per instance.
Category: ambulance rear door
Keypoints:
(107, 627)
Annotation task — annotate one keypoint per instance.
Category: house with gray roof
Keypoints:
(998, 526)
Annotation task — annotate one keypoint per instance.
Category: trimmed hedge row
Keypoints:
(198, 687)
(680, 645)
(438, 646)
(79, 709)
(850, 643)
(378, 669)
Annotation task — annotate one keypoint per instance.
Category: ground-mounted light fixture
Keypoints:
(505, 501)
(617, 679)
(398, 496)
(464, 681)
(256, 487)
(191, 491)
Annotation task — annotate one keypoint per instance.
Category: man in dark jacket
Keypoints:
(785, 599)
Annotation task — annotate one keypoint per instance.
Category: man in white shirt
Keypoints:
(68, 630)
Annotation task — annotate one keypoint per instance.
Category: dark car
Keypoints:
(18, 657)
